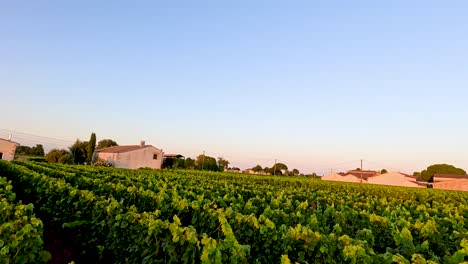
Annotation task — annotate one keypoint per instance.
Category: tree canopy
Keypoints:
(280, 166)
(106, 143)
(204, 162)
(79, 151)
(178, 163)
(277, 169)
(37, 150)
(223, 164)
(59, 156)
(190, 163)
(90, 148)
(257, 168)
(442, 169)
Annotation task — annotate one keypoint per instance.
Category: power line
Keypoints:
(15, 137)
(35, 141)
(28, 134)
(337, 164)
(66, 143)
(383, 165)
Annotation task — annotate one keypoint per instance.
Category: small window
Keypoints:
(155, 156)
(1, 155)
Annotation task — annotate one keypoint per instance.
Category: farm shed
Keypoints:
(7, 149)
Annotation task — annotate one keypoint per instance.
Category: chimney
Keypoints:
(142, 143)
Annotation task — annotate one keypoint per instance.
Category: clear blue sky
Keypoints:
(310, 83)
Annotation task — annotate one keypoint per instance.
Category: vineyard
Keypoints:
(107, 215)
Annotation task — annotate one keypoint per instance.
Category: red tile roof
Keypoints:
(365, 173)
(122, 149)
(454, 176)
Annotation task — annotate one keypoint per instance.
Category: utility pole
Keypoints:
(203, 161)
(274, 169)
(361, 170)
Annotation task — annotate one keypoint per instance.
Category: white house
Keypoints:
(132, 156)
(7, 149)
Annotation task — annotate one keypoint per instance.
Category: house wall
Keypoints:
(8, 149)
(443, 179)
(352, 178)
(135, 159)
(456, 185)
(332, 177)
(394, 179)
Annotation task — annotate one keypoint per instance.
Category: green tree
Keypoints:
(204, 162)
(59, 156)
(178, 163)
(106, 143)
(37, 150)
(257, 168)
(79, 151)
(189, 164)
(295, 172)
(278, 169)
(383, 171)
(23, 150)
(440, 169)
(222, 164)
(90, 148)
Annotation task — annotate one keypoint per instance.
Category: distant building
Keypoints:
(351, 176)
(365, 173)
(449, 182)
(262, 172)
(343, 177)
(168, 160)
(251, 171)
(132, 156)
(232, 170)
(375, 177)
(7, 149)
(438, 177)
(395, 179)
(438, 181)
